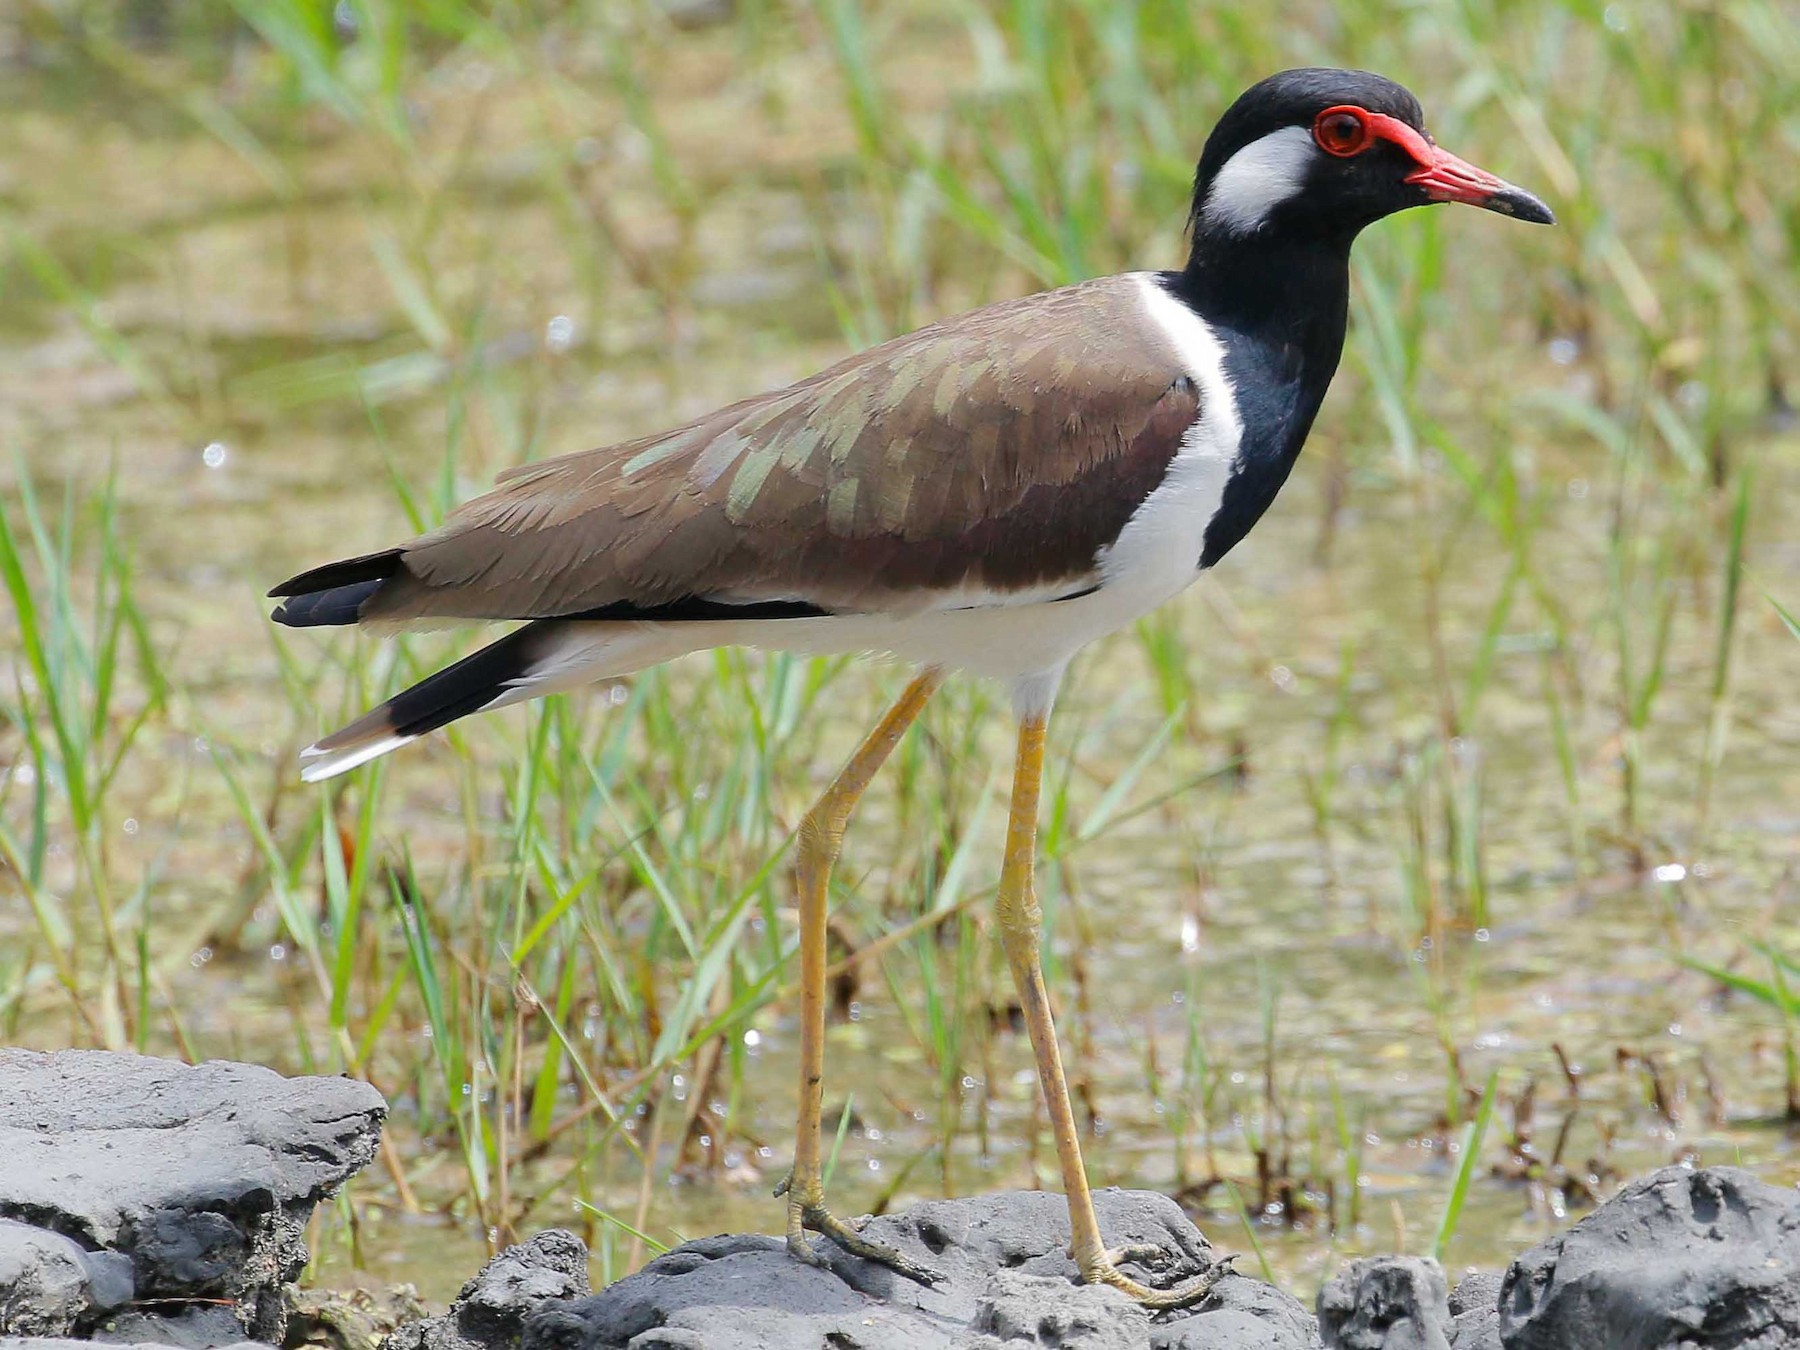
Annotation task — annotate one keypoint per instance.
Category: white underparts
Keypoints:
(1257, 179)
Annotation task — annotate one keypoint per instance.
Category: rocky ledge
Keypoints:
(1691, 1260)
(149, 1202)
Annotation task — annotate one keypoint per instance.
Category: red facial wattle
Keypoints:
(1443, 176)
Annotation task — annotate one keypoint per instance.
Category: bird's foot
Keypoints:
(809, 1213)
(1103, 1268)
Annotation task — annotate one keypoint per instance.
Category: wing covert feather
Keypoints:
(1000, 450)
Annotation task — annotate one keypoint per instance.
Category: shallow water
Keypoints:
(1298, 980)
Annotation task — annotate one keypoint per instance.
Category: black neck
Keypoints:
(1279, 308)
(1279, 291)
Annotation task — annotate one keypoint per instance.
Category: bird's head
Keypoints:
(1318, 153)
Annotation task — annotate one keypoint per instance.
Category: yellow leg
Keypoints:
(820, 838)
(1020, 919)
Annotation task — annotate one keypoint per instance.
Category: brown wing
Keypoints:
(1001, 450)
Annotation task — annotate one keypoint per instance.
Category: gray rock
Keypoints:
(1242, 1312)
(1475, 1308)
(201, 1176)
(1007, 1281)
(49, 1286)
(1017, 1309)
(1700, 1260)
(1386, 1303)
(203, 1327)
(61, 1343)
(491, 1309)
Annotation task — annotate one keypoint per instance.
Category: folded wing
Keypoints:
(991, 457)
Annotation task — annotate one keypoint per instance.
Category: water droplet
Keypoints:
(214, 455)
(130, 826)
(278, 952)
(1615, 21)
(559, 334)
(1670, 872)
(1564, 351)
(1190, 933)
(752, 1038)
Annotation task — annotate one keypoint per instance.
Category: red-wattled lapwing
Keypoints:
(987, 495)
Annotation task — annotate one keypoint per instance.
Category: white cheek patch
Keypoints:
(1257, 179)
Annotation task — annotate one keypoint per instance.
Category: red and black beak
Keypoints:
(1446, 178)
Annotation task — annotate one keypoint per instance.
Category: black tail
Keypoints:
(334, 593)
(469, 685)
(477, 681)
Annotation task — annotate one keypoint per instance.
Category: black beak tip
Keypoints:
(1521, 205)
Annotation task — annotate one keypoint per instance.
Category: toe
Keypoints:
(821, 1220)
(1142, 1254)
(1184, 1295)
(802, 1251)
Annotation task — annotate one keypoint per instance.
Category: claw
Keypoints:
(1140, 1254)
(806, 1210)
(821, 1220)
(1105, 1270)
(802, 1251)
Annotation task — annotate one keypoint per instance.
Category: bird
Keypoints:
(984, 496)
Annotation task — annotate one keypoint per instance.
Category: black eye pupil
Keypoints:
(1343, 129)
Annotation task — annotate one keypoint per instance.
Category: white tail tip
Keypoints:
(318, 763)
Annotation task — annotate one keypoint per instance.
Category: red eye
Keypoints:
(1343, 131)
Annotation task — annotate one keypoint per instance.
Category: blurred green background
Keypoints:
(1423, 872)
